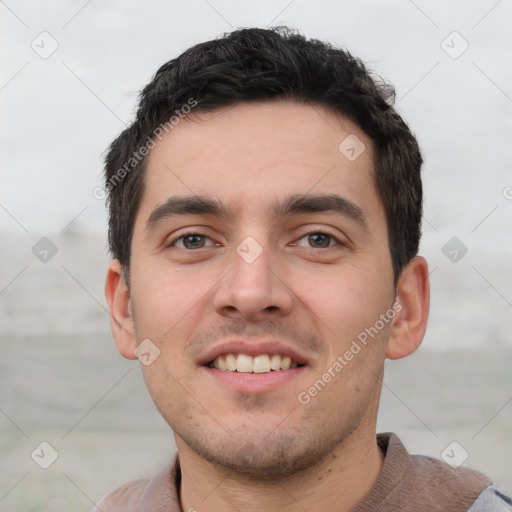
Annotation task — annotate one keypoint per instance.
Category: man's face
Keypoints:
(262, 281)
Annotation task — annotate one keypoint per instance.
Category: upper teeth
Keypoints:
(248, 364)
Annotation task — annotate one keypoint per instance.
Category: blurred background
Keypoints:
(71, 73)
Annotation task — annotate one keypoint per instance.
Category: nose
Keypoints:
(254, 289)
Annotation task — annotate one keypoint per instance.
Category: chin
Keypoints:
(264, 455)
(265, 461)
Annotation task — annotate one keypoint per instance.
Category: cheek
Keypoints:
(346, 301)
(165, 300)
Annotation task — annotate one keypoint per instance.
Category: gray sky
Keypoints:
(60, 113)
(450, 63)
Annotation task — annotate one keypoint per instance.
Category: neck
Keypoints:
(338, 482)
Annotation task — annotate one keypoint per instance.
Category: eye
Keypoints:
(318, 240)
(191, 241)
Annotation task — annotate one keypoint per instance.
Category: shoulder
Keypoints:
(123, 498)
(492, 500)
(158, 492)
(432, 484)
(433, 472)
(460, 486)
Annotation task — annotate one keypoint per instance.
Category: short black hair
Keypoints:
(269, 64)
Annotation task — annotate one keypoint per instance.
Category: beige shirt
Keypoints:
(406, 483)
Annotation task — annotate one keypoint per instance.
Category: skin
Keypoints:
(267, 451)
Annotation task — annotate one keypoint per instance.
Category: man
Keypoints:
(265, 210)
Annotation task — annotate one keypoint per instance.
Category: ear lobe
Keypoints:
(121, 314)
(411, 322)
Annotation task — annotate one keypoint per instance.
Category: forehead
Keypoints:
(251, 154)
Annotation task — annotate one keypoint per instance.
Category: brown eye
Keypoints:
(319, 240)
(192, 241)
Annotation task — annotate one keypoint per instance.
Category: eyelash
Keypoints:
(325, 233)
(313, 232)
(185, 235)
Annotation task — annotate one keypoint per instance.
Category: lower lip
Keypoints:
(254, 382)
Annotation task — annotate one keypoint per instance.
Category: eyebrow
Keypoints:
(294, 204)
(188, 205)
(309, 203)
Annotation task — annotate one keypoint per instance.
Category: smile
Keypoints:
(243, 363)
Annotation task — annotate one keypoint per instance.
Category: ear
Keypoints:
(121, 313)
(413, 290)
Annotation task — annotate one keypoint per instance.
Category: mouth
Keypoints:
(258, 364)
